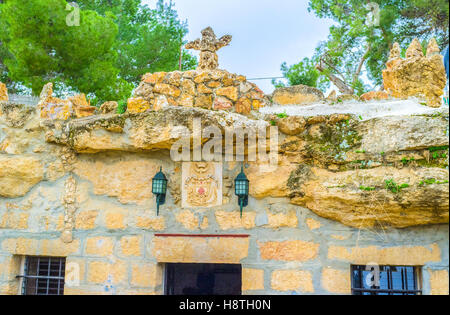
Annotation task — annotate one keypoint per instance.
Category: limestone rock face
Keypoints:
(18, 174)
(149, 131)
(416, 75)
(59, 109)
(3, 92)
(15, 115)
(338, 166)
(298, 95)
(342, 197)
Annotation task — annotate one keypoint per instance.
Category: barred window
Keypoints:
(43, 276)
(392, 280)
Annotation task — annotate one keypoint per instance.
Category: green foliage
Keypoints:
(432, 181)
(364, 188)
(436, 152)
(282, 115)
(149, 40)
(392, 186)
(405, 160)
(104, 57)
(303, 73)
(435, 149)
(122, 107)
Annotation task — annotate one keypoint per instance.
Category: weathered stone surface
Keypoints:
(18, 174)
(186, 100)
(402, 133)
(230, 92)
(416, 75)
(313, 224)
(439, 282)
(131, 246)
(125, 179)
(292, 125)
(292, 280)
(138, 105)
(243, 106)
(15, 115)
(208, 45)
(252, 279)
(336, 281)
(273, 184)
(400, 255)
(101, 272)
(233, 220)
(298, 95)
(145, 275)
(167, 89)
(3, 92)
(109, 108)
(222, 103)
(99, 246)
(204, 101)
(338, 196)
(374, 95)
(149, 131)
(332, 97)
(210, 89)
(280, 220)
(288, 251)
(200, 250)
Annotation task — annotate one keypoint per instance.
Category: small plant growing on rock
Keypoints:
(393, 187)
(364, 188)
(431, 181)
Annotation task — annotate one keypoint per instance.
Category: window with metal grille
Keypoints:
(392, 280)
(43, 276)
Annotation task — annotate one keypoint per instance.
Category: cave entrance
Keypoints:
(203, 279)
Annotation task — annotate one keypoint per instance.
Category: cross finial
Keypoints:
(208, 46)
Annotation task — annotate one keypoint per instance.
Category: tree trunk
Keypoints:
(340, 84)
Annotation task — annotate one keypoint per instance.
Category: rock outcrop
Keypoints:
(3, 92)
(416, 75)
(55, 108)
(18, 174)
(365, 174)
(298, 95)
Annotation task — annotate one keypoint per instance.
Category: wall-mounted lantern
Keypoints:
(241, 188)
(159, 188)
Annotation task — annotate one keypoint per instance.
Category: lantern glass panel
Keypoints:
(159, 186)
(241, 188)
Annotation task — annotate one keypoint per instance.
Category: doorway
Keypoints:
(203, 279)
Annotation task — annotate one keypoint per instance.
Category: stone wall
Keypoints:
(209, 89)
(81, 189)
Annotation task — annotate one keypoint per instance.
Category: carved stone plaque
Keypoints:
(201, 184)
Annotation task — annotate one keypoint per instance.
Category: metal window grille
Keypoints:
(393, 280)
(43, 276)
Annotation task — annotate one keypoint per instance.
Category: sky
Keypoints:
(265, 33)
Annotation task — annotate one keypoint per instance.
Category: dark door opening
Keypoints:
(203, 279)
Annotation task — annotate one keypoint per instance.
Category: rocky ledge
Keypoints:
(382, 172)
